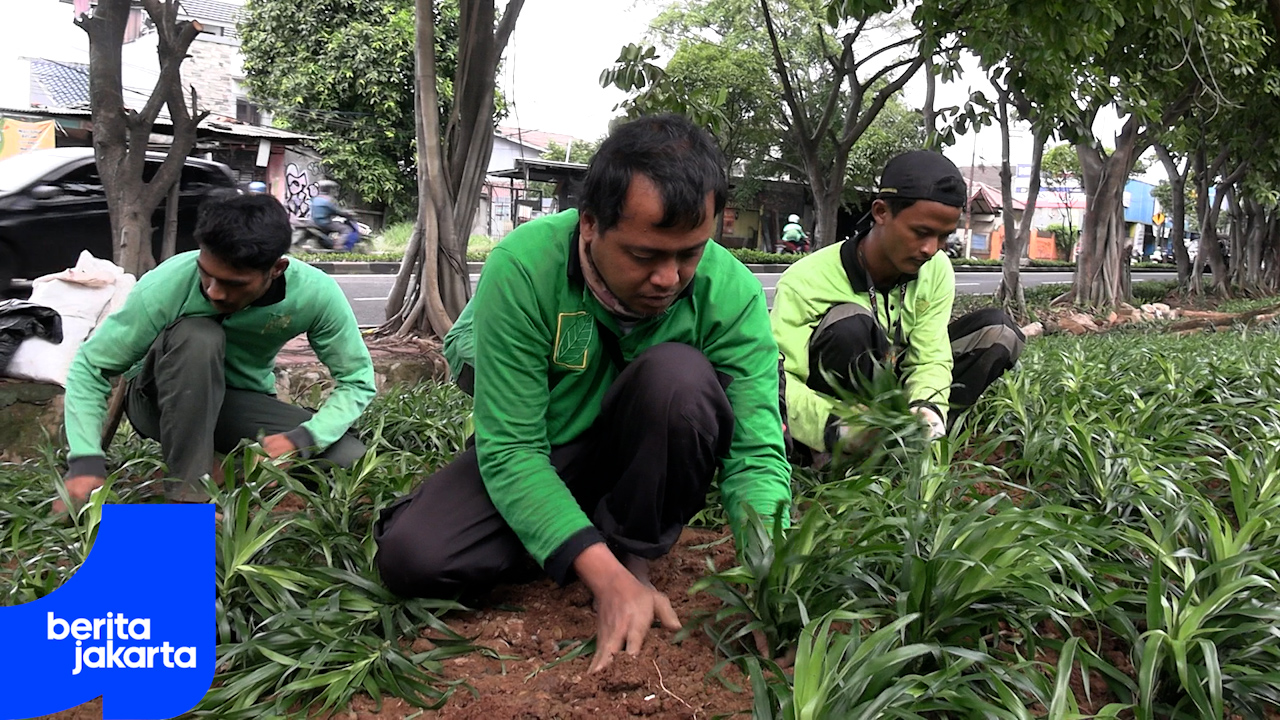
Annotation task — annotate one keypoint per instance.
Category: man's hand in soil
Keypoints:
(625, 606)
(277, 446)
(78, 488)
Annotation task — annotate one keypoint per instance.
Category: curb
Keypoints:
(391, 268)
(357, 268)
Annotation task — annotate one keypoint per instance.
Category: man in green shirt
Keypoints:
(197, 340)
(620, 359)
(886, 296)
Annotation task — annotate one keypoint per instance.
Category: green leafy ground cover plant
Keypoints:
(1121, 487)
(1110, 511)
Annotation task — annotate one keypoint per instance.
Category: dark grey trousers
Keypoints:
(984, 344)
(181, 400)
(640, 473)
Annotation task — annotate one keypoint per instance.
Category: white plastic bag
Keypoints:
(83, 295)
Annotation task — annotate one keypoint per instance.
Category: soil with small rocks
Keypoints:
(532, 626)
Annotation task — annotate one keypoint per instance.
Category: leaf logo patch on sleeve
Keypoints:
(574, 332)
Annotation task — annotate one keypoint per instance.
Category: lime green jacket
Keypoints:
(542, 372)
(303, 300)
(833, 276)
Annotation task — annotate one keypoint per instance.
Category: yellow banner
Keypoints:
(19, 136)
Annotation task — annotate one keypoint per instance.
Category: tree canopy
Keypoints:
(343, 71)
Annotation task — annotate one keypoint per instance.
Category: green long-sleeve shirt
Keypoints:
(833, 276)
(302, 300)
(542, 373)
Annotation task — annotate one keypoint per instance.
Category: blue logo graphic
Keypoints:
(135, 624)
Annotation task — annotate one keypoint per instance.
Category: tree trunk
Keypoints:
(1178, 216)
(1102, 269)
(433, 284)
(1255, 228)
(928, 113)
(121, 135)
(826, 217)
(1235, 242)
(169, 245)
(133, 240)
(1271, 255)
(1210, 247)
(1011, 293)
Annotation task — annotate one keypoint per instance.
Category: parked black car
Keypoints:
(53, 206)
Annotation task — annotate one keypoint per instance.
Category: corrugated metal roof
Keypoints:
(47, 112)
(209, 125)
(255, 131)
(535, 138)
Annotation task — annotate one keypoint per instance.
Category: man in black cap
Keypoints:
(886, 296)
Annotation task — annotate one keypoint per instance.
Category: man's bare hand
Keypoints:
(78, 488)
(278, 446)
(625, 606)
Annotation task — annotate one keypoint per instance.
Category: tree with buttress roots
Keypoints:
(121, 134)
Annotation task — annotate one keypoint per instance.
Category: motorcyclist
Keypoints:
(794, 238)
(325, 213)
(257, 187)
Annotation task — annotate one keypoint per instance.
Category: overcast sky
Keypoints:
(550, 74)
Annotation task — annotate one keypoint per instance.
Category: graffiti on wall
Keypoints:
(301, 183)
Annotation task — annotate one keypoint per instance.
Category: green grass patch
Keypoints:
(394, 238)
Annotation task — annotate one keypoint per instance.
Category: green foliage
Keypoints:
(579, 151)
(394, 238)
(727, 90)
(724, 75)
(896, 129)
(343, 71)
(1060, 165)
(303, 621)
(1121, 487)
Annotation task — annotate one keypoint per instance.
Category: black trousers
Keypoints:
(181, 400)
(984, 344)
(639, 473)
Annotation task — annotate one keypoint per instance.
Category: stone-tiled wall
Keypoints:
(212, 69)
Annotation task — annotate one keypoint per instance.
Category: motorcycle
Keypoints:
(794, 247)
(308, 238)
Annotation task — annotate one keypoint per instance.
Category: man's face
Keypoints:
(644, 266)
(917, 232)
(229, 288)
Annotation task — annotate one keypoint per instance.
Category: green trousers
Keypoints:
(180, 399)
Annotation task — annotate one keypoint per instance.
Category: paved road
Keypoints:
(368, 293)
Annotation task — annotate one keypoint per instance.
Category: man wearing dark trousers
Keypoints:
(886, 297)
(619, 360)
(197, 339)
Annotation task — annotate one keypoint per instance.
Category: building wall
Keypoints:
(302, 173)
(1043, 245)
(506, 151)
(212, 69)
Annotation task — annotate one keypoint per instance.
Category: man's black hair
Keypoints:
(249, 232)
(898, 204)
(680, 158)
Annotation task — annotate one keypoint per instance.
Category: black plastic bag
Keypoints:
(20, 320)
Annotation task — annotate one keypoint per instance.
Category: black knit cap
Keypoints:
(923, 175)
